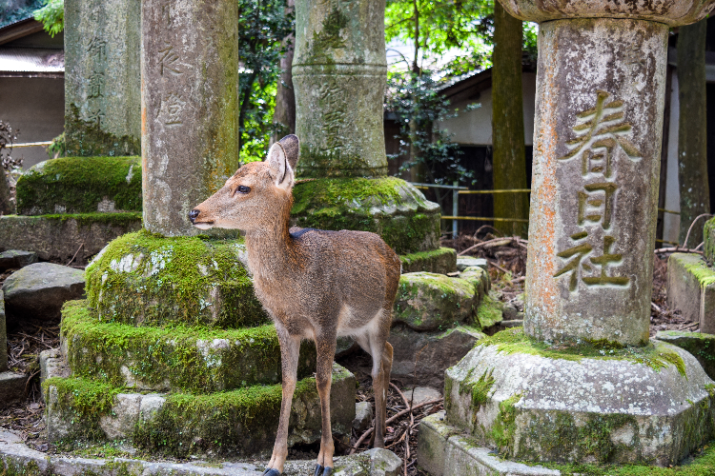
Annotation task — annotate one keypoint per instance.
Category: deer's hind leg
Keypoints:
(325, 346)
(290, 350)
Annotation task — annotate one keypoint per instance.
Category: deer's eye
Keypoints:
(243, 189)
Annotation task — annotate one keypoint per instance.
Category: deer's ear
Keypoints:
(291, 146)
(281, 170)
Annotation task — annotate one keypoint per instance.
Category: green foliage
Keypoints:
(418, 104)
(52, 16)
(58, 147)
(262, 26)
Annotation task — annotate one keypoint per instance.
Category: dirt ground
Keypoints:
(507, 261)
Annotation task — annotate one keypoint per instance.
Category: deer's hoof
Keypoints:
(271, 472)
(321, 471)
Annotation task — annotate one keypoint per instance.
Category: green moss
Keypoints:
(699, 268)
(79, 184)
(367, 205)
(85, 138)
(88, 219)
(175, 356)
(478, 390)
(442, 260)
(429, 301)
(656, 356)
(709, 234)
(329, 37)
(504, 426)
(81, 403)
(146, 279)
(489, 312)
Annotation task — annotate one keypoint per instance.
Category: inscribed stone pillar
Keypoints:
(189, 60)
(102, 77)
(597, 140)
(339, 76)
(3, 334)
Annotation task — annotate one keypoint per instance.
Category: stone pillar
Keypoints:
(597, 140)
(3, 334)
(339, 75)
(189, 60)
(102, 78)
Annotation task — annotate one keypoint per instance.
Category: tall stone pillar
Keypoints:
(102, 77)
(581, 382)
(339, 76)
(189, 60)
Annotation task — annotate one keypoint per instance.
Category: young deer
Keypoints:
(315, 284)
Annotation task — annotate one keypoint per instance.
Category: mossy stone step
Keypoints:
(709, 235)
(442, 261)
(388, 206)
(145, 280)
(81, 185)
(193, 359)
(240, 422)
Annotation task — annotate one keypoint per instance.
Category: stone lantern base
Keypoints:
(651, 405)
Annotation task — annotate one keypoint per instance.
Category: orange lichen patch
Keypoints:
(143, 110)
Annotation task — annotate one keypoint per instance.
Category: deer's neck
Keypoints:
(271, 252)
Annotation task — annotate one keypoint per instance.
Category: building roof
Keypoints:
(32, 62)
(18, 29)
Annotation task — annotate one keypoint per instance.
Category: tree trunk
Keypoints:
(508, 123)
(284, 114)
(692, 136)
(6, 206)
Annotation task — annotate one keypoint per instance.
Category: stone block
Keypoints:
(533, 403)
(53, 364)
(63, 236)
(240, 422)
(420, 358)
(3, 334)
(691, 289)
(429, 302)
(173, 359)
(36, 293)
(432, 444)
(388, 206)
(440, 261)
(464, 262)
(363, 416)
(145, 280)
(12, 388)
(702, 346)
(103, 80)
(81, 185)
(16, 259)
(479, 278)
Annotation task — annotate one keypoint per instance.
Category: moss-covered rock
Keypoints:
(238, 422)
(189, 359)
(388, 206)
(81, 185)
(691, 289)
(709, 235)
(701, 345)
(429, 302)
(479, 278)
(146, 279)
(440, 261)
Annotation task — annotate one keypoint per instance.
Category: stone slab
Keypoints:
(173, 359)
(464, 262)
(691, 289)
(16, 259)
(18, 458)
(420, 358)
(441, 450)
(240, 422)
(709, 236)
(12, 388)
(53, 364)
(81, 185)
(440, 261)
(702, 346)
(36, 293)
(535, 404)
(60, 236)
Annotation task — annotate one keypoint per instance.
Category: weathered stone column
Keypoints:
(339, 75)
(189, 107)
(102, 77)
(600, 92)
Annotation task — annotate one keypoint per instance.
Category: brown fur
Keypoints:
(315, 285)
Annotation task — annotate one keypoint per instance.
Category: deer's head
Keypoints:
(255, 195)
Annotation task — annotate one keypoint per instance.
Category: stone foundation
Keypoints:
(691, 289)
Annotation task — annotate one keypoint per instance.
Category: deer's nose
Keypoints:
(193, 214)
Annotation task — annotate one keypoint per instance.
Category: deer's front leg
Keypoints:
(325, 345)
(290, 350)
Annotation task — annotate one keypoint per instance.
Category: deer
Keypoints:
(314, 284)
